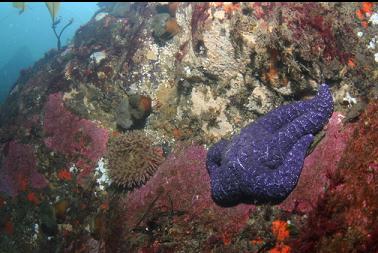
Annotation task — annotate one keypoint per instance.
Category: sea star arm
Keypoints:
(285, 177)
(283, 115)
(310, 122)
(214, 155)
(263, 163)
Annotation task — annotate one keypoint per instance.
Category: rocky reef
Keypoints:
(183, 76)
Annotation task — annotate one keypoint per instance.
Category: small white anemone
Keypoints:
(73, 169)
(374, 18)
(98, 56)
(348, 98)
(100, 16)
(101, 174)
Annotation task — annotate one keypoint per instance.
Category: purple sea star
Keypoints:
(263, 163)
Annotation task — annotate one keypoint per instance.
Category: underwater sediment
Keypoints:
(187, 75)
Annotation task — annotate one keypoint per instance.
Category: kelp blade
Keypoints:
(53, 9)
(19, 5)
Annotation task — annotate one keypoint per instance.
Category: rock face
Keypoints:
(188, 72)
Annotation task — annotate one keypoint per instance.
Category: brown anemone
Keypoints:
(132, 160)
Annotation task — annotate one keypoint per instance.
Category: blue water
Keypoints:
(27, 36)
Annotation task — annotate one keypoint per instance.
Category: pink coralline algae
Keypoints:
(18, 169)
(182, 184)
(319, 166)
(81, 140)
(346, 218)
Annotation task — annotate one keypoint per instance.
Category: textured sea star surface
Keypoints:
(262, 164)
